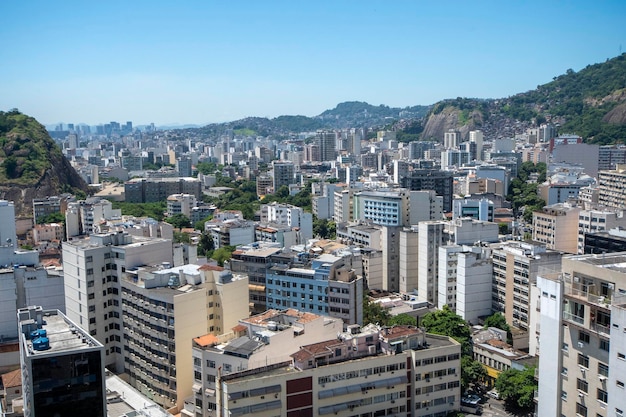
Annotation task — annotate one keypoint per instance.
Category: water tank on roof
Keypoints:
(38, 333)
(272, 325)
(41, 343)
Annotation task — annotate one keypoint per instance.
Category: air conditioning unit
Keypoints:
(602, 378)
(581, 395)
(581, 345)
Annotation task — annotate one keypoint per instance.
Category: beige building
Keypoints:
(582, 339)
(48, 233)
(368, 372)
(598, 220)
(515, 269)
(163, 310)
(256, 342)
(556, 226)
(612, 188)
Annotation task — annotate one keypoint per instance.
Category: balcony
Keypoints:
(573, 318)
(599, 328)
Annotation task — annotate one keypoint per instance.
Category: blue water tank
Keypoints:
(41, 343)
(38, 333)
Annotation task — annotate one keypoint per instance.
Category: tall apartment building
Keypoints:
(344, 205)
(431, 238)
(254, 260)
(162, 311)
(184, 166)
(257, 342)
(556, 226)
(598, 220)
(54, 204)
(93, 269)
(23, 281)
(442, 182)
(476, 136)
(327, 144)
(283, 173)
(612, 188)
(328, 285)
(477, 209)
(370, 371)
(288, 215)
(180, 204)
(515, 269)
(451, 139)
(408, 261)
(231, 232)
(82, 217)
(151, 190)
(583, 316)
(62, 366)
(383, 207)
(264, 185)
(323, 206)
(474, 280)
(610, 156)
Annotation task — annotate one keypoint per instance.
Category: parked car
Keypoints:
(494, 394)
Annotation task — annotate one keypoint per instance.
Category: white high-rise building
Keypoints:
(431, 237)
(476, 136)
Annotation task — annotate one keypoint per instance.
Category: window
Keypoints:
(620, 384)
(583, 360)
(621, 356)
(210, 364)
(583, 336)
(564, 371)
(604, 345)
(197, 376)
(603, 369)
(582, 385)
(581, 410)
(602, 395)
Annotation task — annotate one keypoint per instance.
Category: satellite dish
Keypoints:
(9, 240)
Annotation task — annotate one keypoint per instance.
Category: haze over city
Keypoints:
(203, 62)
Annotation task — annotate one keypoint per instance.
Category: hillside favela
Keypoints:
(465, 256)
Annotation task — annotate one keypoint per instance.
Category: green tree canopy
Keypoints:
(472, 373)
(446, 322)
(222, 255)
(374, 313)
(403, 320)
(517, 387)
(51, 218)
(179, 221)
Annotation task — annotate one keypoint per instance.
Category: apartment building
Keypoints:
(288, 215)
(583, 316)
(162, 311)
(180, 204)
(62, 366)
(369, 372)
(598, 220)
(150, 190)
(556, 226)
(515, 269)
(327, 285)
(612, 187)
(361, 234)
(255, 260)
(256, 342)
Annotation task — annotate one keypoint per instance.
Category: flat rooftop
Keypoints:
(62, 334)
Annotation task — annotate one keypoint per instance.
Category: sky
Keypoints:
(198, 62)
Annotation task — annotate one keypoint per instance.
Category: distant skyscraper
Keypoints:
(476, 136)
(284, 174)
(451, 139)
(326, 140)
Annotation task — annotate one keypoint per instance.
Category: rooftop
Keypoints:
(62, 334)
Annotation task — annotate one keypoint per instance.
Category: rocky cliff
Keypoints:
(31, 163)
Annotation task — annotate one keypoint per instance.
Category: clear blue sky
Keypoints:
(214, 61)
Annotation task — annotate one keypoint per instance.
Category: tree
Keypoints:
(222, 255)
(51, 218)
(324, 228)
(446, 322)
(205, 245)
(179, 221)
(517, 387)
(498, 321)
(503, 228)
(180, 237)
(403, 320)
(374, 313)
(472, 373)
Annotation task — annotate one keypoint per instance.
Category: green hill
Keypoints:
(590, 103)
(31, 163)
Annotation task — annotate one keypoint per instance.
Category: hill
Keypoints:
(31, 164)
(344, 115)
(590, 103)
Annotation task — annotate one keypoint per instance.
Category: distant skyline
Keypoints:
(201, 62)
